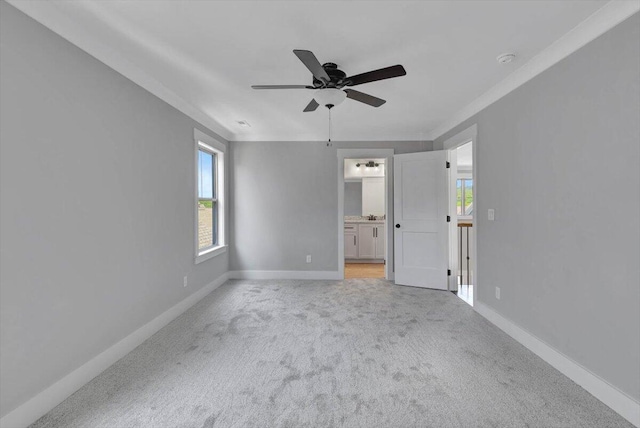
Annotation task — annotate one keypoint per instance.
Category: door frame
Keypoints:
(469, 134)
(387, 155)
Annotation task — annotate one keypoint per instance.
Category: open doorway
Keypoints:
(464, 212)
(365, 208)
(364, 218)
(463, 201)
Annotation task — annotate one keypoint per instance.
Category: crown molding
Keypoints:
(51, 16)
(605, 18)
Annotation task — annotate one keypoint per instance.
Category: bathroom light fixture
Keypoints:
(369, 164)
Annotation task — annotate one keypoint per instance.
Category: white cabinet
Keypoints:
(367, 245)
(371, 245)
(380, 247)
(351, 241)
(373, 196)
(350, 245)
(364, 241)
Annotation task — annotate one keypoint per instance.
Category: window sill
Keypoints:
(210, 253)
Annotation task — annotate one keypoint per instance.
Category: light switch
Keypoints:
(491, 214)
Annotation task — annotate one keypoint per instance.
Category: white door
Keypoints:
(366, 243)
(421, 230)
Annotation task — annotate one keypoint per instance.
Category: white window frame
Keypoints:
(465, 175)
(216, 147)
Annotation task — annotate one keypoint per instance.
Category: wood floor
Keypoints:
(363, 270)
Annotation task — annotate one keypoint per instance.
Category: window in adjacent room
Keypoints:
(464, 202)
(209, 197)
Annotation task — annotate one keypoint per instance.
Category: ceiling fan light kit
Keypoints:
(329, 97)
(329, 81)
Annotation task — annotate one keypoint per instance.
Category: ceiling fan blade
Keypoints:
(312, 63)
(372, 76)
(364, 98)
(312, 106)
(282, 87)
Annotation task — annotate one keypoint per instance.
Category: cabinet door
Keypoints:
(366, 243)
(373, 196)
(380, 242)
(350, 245)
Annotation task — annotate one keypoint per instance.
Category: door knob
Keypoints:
(397, 226)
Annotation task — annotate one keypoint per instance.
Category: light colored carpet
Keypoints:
(356, 353)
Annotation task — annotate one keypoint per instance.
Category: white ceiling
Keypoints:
(207, 54)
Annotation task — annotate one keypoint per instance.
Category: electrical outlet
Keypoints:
(491, 213)
(185, 281)
(498, 293)
(309, 258)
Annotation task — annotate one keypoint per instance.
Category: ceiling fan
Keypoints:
(329, 81)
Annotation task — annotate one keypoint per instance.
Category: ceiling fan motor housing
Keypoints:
(337, 77)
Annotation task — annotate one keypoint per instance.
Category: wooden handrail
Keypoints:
(460, 224)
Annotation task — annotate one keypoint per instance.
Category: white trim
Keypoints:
(463, 137)
(211, 253)
(286, 274)
(620, 402)
(54, 18)
(208, 140)
(218, 148)
(452, 177)
(605, 18)
(38, 406)
(387, 154)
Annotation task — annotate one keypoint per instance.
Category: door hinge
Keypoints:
(448, 272)
(448, 219)
(448, 164)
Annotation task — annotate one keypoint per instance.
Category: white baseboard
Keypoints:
(285, 274)
(46, 400)
(624, 405)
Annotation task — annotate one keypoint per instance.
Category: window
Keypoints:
(464, 201)
(209, 197)
(207, 202)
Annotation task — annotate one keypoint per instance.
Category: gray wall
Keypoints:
(558, 160)
(285, 203)
(353, 198)
(97, 188)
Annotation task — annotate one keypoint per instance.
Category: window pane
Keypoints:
(206, 232)
(459, 197)
(468, 197)
(205, 174)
